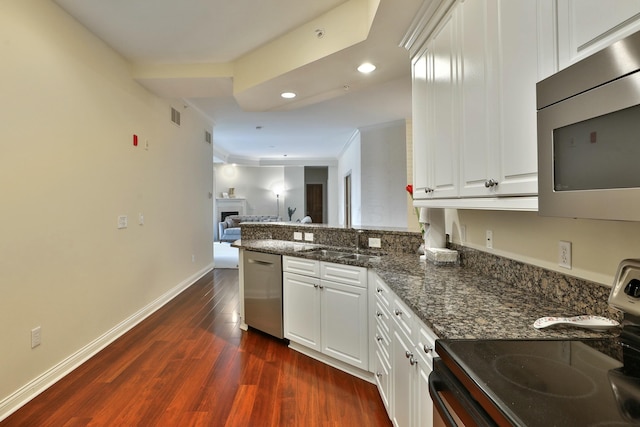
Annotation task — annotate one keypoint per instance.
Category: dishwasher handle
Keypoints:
(258, 262)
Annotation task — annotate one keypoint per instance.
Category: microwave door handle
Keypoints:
(436, 385)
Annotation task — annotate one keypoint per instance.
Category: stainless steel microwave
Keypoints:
(589, 136)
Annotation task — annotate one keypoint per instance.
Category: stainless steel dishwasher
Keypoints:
(263, 292)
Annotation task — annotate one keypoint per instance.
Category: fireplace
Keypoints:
(226, 207)
(225, 214)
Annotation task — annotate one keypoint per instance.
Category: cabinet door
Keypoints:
(301, 306)
(402, 380)
(586, 26)
(421, 158)
(478, 161)
(442, 109)
(344, 323)
(516, 92)
(498, 73)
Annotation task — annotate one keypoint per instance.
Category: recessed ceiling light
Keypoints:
(366, 68)
(288, 95)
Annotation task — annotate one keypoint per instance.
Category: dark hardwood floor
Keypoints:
(190, 365)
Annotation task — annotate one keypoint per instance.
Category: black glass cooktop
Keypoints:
(550, 383)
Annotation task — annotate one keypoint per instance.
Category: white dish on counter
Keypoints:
(597, 323)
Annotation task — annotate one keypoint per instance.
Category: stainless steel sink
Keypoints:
(330, 253)
(360, 257)
(343, 255)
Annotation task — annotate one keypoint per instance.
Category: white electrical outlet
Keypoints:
(122, 221)
(463, 233)
(36, 337)
(564, 254)
(308, 237)
(193, 258)
(141, 218)
(297, 235)
(489, 239)
(375, 242)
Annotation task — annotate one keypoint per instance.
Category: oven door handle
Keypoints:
(463, 405)
(436, 385)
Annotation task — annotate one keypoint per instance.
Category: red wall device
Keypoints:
(135, 140)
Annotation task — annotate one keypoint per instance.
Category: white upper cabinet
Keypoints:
(517, 74)
(442, 109)
(435, 114)
(475, 130)
(586, 26)
(479, 153)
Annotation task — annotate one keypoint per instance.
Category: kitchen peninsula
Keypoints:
(484, 296)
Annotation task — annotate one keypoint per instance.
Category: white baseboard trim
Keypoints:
(24, 394)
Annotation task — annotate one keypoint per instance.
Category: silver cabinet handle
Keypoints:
(490, 183)
(379, 290)
(315, 285)
(413, 361)
(378, 314)
(427, 349)
(397, 312)
(408, 354)
(378, 374)
(428, 190)
(321, 287)
(378, 337)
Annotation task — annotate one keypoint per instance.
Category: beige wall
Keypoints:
(67, 170)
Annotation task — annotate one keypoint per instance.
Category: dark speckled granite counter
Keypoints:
(459, 301)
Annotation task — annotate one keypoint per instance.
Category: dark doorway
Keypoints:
(314, 203)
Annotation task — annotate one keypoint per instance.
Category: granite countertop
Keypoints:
(453, 301)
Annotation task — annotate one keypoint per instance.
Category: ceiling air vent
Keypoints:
(175, 116)
(207, 136)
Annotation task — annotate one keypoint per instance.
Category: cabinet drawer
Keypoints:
(383, 318)
(348, 274)
(425, 343)
(308, 267)
(383, 343)
(403, 317)
(383, 293)
(383, 379)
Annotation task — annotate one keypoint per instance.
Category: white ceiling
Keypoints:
(315, 125)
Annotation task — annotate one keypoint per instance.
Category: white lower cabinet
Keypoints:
(302, 309)
(403, 361)
(343, 314)
(402, 379)
(325, 315)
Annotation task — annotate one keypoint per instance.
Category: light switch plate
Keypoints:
(375, 242)
(297, 235)
(308, 237)
(122, 221)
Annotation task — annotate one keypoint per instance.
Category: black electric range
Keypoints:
(547, 382)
